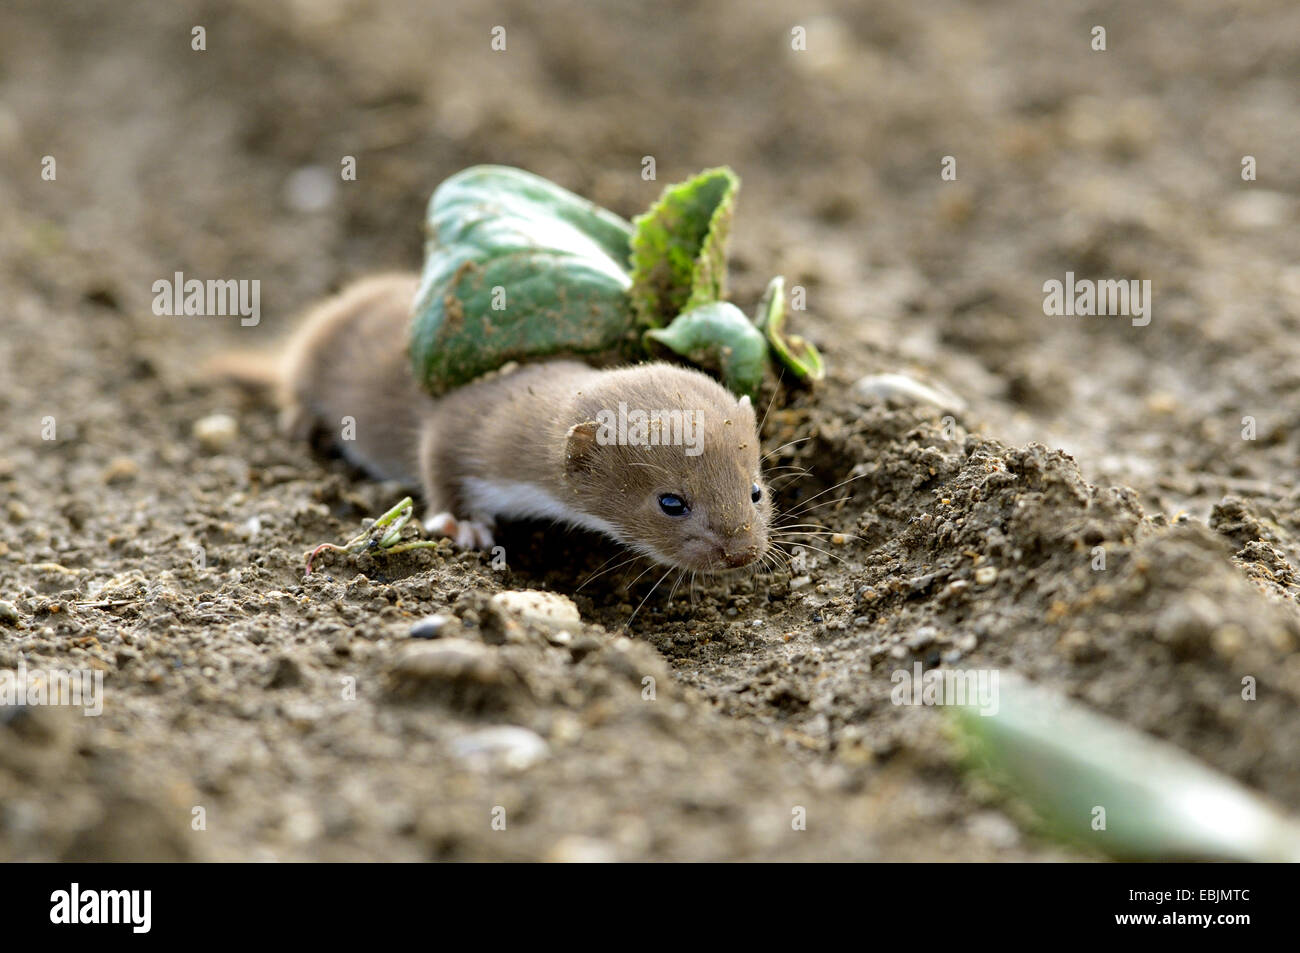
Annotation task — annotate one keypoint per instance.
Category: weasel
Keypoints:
(556, 440)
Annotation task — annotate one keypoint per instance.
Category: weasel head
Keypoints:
(670, 459)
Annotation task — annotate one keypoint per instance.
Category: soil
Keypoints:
(253, 712)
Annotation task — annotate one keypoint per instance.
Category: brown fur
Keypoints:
(533, 427)
(348, 360)
(522, 424)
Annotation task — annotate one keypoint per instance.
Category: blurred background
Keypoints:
(1117, 164)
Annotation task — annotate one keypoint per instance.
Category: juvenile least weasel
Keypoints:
(539, 441)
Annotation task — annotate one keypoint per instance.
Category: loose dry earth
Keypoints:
(301, 715)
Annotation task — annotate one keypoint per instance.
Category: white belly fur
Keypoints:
(511, 499)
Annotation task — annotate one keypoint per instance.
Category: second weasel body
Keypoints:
(531, 443)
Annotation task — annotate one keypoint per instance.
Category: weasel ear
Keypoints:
(745, 402)
(580, 447)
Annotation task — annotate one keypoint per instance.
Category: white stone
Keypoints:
(884, 386)
(216, 432)
(546, 609)
(507, 746)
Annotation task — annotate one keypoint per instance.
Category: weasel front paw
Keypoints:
(466, 534)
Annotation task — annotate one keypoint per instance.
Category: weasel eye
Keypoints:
(673, 505)
(755, 492)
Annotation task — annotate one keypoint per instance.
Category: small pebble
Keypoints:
(216, 432)
(121, 470)
(431, 626)
(8, 614)
(994, 828)
(1080, 646)
(922, 637)
(310, 188)
(583, 646)
(582, 850)
(985, 575)
(1227, 640)
(456, 666)
(902, 387)
(1259, 208)
(546, 609)
(507, 746)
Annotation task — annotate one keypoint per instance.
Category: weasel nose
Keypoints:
(734, 559)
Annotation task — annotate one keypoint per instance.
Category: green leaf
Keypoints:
(719, 337)
(1159, 803)
(679, 249)
(517, 268)
(797, 354)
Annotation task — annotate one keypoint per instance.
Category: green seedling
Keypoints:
(679, 248)
(384, 535)
(1098, 783)
(717, 336)
(791, 350)
(517, 268)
